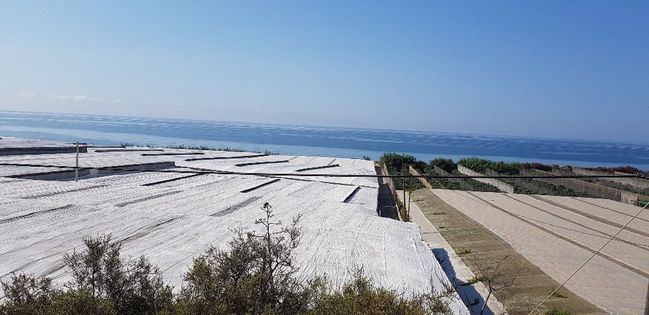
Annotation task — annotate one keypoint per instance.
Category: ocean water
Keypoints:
(318, 141)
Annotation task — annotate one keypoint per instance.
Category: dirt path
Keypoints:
(475, 243)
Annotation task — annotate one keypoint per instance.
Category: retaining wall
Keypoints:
(635, 182)
(85, 172)
(593, 189)
(502, 186)
(414, 172)
(393, 188)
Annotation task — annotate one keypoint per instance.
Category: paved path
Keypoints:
(476, 242)
(557, 234)
(455, 269)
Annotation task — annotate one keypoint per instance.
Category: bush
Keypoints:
(445, 164)
(132, 288)
(538, 166)
(360, 296)
(255, 277)
(622, 169)
(399, 162)
(101, 284)
(481, 165)
(26, 294)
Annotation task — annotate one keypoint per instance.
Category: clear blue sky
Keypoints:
(568, 69)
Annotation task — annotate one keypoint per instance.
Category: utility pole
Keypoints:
(76, 168)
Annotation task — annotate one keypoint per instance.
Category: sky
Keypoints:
(564, 69)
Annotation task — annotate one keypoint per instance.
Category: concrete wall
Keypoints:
(42, 150)
(393, 188)
(502, 186)
(95, 172)
(635, 182)
(414, 172)
(593, 189)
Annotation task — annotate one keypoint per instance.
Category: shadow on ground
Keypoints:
(470, 297)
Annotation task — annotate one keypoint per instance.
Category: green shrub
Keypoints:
(132, 288)
(445, 164)
(256, 276)
(481, 165)
(360, 296)
(400, 162)
(25, 294)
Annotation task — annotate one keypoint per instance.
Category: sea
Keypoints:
(318, 141)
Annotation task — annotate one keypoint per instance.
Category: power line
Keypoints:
(194, 170)
(587, 260)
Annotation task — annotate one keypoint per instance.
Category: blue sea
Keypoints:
(317, 141)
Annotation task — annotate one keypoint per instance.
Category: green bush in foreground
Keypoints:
(255, 276)
(360, 296)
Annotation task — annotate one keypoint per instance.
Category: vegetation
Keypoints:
(623, 169)
(537, 187)
(102, 284)
(397, 164)
(361, 296)
(197, 147)
(255, 276)
(458, 183)
(445, 164)
(482, 165)
(621, 186)
(641, 203)
(497, 277)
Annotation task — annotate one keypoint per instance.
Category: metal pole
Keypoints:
(76, 168)
(403, 186)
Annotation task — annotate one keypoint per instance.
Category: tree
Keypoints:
(255, 276)
(132, 288)
(361, 296)
(27, 294)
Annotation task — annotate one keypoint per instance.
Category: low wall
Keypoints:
(42, 150)
(85, 172)
(635, 182)
(502, 186)
(593, 189)
(414, 172)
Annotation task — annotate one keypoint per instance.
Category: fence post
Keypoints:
(393, 189)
